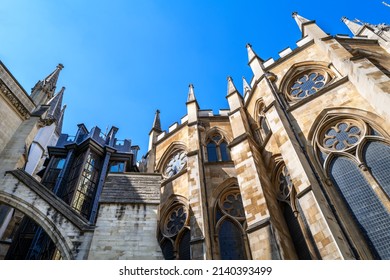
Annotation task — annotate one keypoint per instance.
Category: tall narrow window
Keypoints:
(291, 216)
(52, 174)
(366, 209)
(174, 233)
(86, 187)
(364, 190)
(230, 223)
(261, 127)
(217, 149)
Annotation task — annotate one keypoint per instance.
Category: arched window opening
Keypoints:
(377, 157)
(261, 129)
(356, 157)
(167, 250)
(231, 245)
(176, 163)
(184, 246)
(230, 226)
(366, 209)
(174, 234)
(304, 81)
(285, 196)
(217, 149)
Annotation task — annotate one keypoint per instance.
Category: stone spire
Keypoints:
(231, 88)
(299, 20)
(309, 27)
(255, 62)
(45, 89)
(246, 87)
(55, 105)
(191, 94)
(156, 121)
(56, 111)
(353, 26)
(60, 121)
(234, 98)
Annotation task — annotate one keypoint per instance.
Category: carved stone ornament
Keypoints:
(45, 122)
(14, 101)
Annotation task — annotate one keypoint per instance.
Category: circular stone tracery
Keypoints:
(231, 203)
(176, 163)
(307, 84)
(175, 220)
(342, 135)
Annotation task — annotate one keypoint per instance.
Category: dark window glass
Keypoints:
(224, 151)
(231, 245)
(366, 209)
(264, 126)
(377, 157)
(184, 246)
(212, 152)
(167, 250)
(296, 233)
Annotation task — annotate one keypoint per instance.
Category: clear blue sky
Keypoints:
(124, 58)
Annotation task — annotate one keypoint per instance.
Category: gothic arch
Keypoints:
(319, 72)
(292, 213)
(173, 148)
(338, 146)
(68, 237)
(215, 143)
(173, 231)
(229, 222)
(215, 130)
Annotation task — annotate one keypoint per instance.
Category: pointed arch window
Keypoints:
(174, 233)
(217, 148)
(262, 129)
(230, 226)
(290, 208)
(356, 158)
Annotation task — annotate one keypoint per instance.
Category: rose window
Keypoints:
(175, 220)
(176, 164)
(307, 85)
(342, 135)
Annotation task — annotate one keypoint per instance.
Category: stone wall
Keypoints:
(126, 225)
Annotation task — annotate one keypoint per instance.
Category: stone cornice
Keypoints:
(21, 109)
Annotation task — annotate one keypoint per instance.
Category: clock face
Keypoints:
(176, 163)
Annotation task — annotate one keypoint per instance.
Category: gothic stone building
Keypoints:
(297, 167)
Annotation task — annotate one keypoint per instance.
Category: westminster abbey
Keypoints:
(297, 167)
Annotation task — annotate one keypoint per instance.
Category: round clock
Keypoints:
(176, 163)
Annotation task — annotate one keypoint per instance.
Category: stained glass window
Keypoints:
(230, 211)
(217, 149)
(285, 186)
(377, 157)
(231, 245)
(176, 220)
(176, 163)
(224, 151)
(341, 136)
(167, 250)
(232, 204)
(212, 152)
(307, 84)
(184, 246)
(366, 209)
(175, 226)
